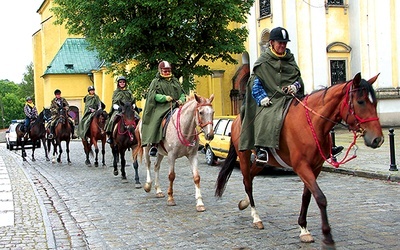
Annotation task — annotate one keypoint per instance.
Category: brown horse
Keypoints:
(124, 139)
(353, 102)
(62, 132)
(96, 133)
(37, 132)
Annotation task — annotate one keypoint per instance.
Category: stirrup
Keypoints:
(109, 141)
(153, 151)
(262, 155)
(50, 136)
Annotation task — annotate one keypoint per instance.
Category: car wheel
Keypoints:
(210, 157)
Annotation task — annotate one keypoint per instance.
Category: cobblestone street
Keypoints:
(74, 206)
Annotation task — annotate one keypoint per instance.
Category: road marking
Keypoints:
(6, 197)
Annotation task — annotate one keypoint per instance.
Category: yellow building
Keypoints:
(332, 40)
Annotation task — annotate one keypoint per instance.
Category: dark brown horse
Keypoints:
(37, 132)
(94, 134)
(62, 132)
(124, 139)
(353, 102)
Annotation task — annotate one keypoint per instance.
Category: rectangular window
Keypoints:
(335, 2)
(265, 8)
(338, 71)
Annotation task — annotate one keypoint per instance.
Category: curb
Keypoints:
(372, 175)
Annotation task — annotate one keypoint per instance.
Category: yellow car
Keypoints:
(219, 146)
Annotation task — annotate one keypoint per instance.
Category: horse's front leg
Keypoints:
(103, 151)
(68, 159)
(115, 153)
(59, 151)
(157, 186)
(147, 162)
(23, 152)
(171, 177)
(45, 149)
(96, 151)
(33, 150)
(137, 181)
(309, 179)
(196, 178)
(123, 163)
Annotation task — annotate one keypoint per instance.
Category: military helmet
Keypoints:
(57, 92)
(29, 98)
(279, 34)
(164, 65)
(121, 78)
(90, 88)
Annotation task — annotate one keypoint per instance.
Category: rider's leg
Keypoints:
(71, 122)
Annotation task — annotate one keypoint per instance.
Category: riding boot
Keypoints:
(73, 132)
(153, 150)
(336, 150)
(110, 139)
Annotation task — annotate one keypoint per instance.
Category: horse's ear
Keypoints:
(211, 98)
(357, 79)
(373, 79)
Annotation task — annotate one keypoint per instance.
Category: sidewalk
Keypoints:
(369, 163)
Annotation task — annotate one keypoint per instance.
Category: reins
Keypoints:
(181, 136)
(357, 132)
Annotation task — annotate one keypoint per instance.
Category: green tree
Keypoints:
(182, 32)
(27, 86)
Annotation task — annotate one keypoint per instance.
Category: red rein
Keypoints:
(347, 103)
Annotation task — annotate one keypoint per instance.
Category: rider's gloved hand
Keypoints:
(91, 110)
(168, 98)
(292, 89)
(179, 102)
(115, 106)
(266, 102)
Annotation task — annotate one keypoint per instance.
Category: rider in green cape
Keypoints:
(92, 104)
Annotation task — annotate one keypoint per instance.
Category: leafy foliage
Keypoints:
(12, 97)
(187, 33)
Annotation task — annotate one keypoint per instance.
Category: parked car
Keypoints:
(218, 147)
(11, 137)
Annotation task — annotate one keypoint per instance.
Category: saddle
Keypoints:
(166, 120)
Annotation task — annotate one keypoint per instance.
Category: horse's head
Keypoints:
(205, 115)
(358, 110)
(46, 114)
(101, 115)
(129, 117)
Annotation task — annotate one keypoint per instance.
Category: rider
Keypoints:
(31, 113)
(56, 104)
(92, 104)
(164, 89)
(120, 96)
(276, 76)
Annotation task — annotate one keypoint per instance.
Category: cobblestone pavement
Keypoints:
(61, 206)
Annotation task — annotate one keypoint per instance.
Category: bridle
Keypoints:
(126, 124)
(358, 131)
(199, 122)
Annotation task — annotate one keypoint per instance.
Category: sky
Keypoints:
(18, 22)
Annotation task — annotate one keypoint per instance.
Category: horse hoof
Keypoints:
(147, 187)
(123, 177)
(258, 225)
(138, 185)
(161, 195)
(243, 204)
(33, 159)
(47, 159)
(201, 208)
(96, 165)
(171, 203)
(88, 163)
(115, 172)
(306, 238)
(23, 159)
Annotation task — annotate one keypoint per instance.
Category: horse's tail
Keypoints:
(226, 171)
(138, 151)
